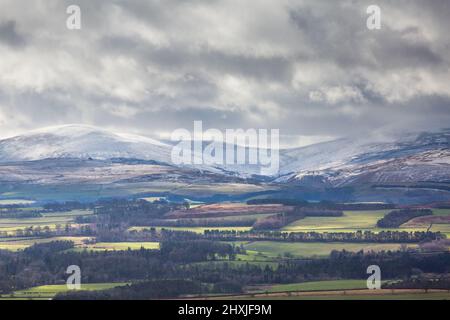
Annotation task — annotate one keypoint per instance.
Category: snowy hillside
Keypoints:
(81, 141)
(412, 157)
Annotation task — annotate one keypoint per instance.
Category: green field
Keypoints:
(49, 291)
(318, 285)
(353, 221)
(48, 219)
(350, 222)
(441, 212)
(316, 249)
(349, 295)
(16, 244)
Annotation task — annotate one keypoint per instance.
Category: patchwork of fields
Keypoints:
(51, 220)
(353, 221)
(259, 253)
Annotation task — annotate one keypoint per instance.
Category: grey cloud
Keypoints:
(158, 65)
(9, 34)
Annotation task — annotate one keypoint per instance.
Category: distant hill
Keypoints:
(423, 157)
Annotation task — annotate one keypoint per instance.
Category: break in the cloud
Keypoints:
(310, 68)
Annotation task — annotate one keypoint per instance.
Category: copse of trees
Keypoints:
(67, 206)
(45, 249)
(277, 221)
(19, 214)
(137, 212)
(196, 250)
(396, 218)
(354, 237)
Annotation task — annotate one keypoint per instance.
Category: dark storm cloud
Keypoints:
(9, 34)
(277, 68)
(306, 67)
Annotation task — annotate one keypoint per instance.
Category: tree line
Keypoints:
(396, 218)
(356, 237)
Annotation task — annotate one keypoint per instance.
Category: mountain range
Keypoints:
(410, 158)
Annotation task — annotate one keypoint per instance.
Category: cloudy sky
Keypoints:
(310, 68)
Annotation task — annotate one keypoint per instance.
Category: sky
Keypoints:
(309, 68)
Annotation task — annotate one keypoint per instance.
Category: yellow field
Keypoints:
(353, 221)
(49, 291)
(316, 249)
(350, 222)
(80, 244)
(50, 220)
(25, 243)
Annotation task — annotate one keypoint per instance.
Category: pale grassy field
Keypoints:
(80, 244)
(317, 249)
(353, 221)
(49, 219)
(49, 291)
(315, 286)
(22, 243)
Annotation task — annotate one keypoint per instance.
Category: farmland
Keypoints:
(49, 291)
(120, 229)
(80, 244)
(316, 249)
(15, 244)
(366, 220)
(51, 220)
(361, 294)
(319, 286)
(228, 209)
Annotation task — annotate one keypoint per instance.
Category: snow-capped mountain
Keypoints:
(75, 141)
(81, 141)
(409, 158)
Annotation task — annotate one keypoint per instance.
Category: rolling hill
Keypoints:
(80, 152)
